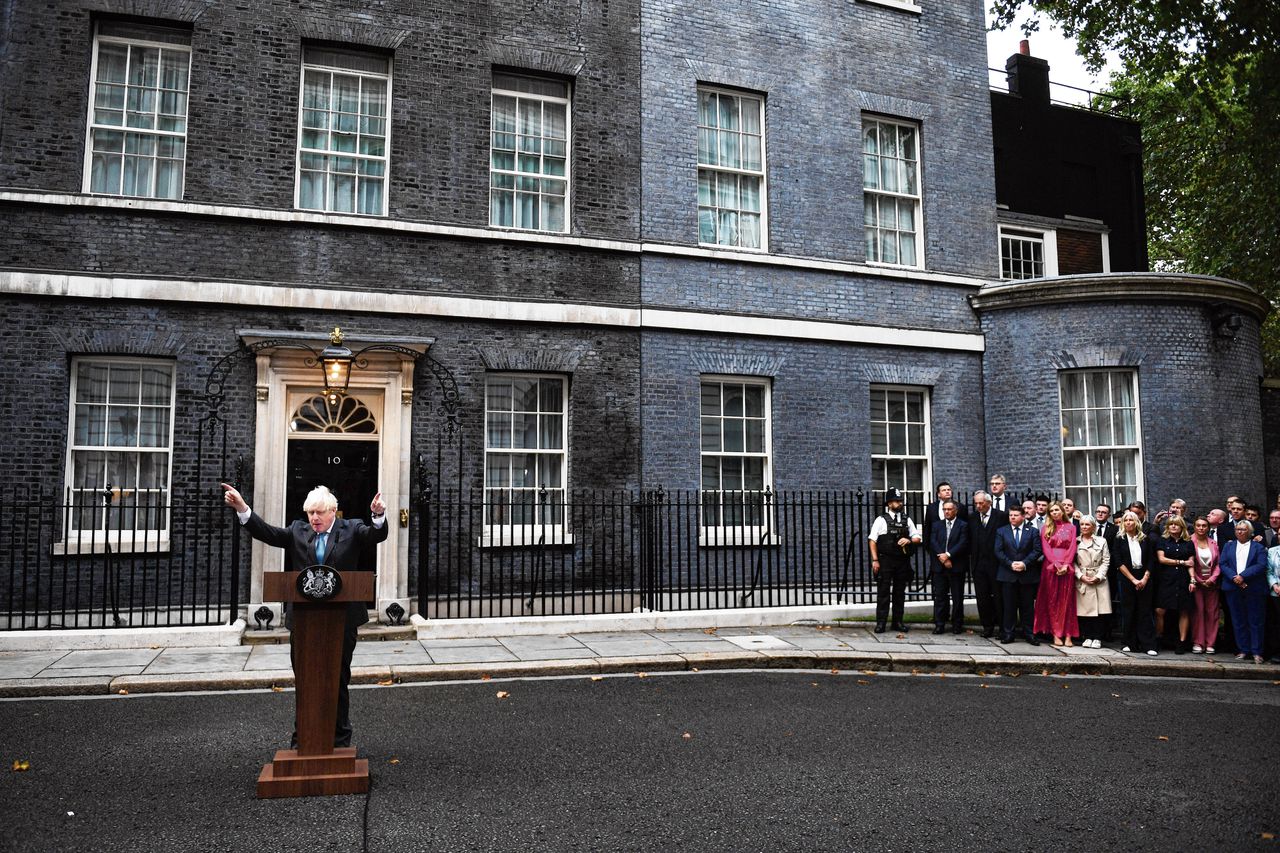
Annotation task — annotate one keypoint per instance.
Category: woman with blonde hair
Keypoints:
(1093, 596)
(1135, 560)
(1056, 599)
(1204, 588)
(1175, 554)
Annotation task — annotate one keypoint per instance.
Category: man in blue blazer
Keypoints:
(1018, 559)
(323, 538)
(1244, 585)
(949, 556)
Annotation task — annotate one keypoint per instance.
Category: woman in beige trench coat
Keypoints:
(1093, 599)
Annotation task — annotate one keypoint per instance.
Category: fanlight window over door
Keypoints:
(343, 415)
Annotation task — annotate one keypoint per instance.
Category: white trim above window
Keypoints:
(1027, 252)
(732, 190)
(892, 194)
(1101, 436)
(344, 132)
(119, 445)
(529, 156)
(136, 138)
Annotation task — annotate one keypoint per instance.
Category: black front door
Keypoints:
(348, 468)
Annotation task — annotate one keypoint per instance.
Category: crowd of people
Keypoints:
(1046, 568)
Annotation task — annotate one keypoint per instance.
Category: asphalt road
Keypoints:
(707, 761)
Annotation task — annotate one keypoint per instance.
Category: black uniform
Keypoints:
(895, 569)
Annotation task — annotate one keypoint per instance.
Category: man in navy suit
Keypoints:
(983, 524)
(1018, 558)
(949, 550)
(323, 539)
(933, 512)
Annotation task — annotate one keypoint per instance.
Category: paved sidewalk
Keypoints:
(391, 661)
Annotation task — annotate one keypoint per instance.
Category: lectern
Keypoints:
(319, 596)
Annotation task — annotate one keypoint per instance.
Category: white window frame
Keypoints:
(1093, 493)
(925, 493)
(916, 200)
(97, 538)
(514, 175)
(721, 171)
(732, 534)
(551, 530)
(1048, 239)
(155, 133)
(330, 154)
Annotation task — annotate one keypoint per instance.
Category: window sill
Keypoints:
(525, 537)
(900, 5)
(737, 537)
(721, 247)
(888, 266)
(511, 229)
(89, 546)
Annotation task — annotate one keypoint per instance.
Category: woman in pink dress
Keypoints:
(1056, 598)
(1204, 589)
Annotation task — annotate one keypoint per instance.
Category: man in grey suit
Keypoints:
(983, 524)
(323, 539)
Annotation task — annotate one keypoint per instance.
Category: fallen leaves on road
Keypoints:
(276, 688)
(863, 681)
(122, 692)
(901, 637)
(21, 765)
(868, 672)
(394, 761)
(597, 678)
(642, 675)
(1066, 687)
(1115, 695)
(1268, 836)
(983, 686)
(502, 694)
(708, 630)
(387, 682)
(485, 677)
(835, 671)
(686, 736)
(1163, 737)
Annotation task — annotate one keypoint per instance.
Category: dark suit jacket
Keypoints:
(1255, 570)
(1028, 551)
(957, 546)
(1120, 556)
(934, 513)
(342, 551)
(982, 540)
(1008, 502)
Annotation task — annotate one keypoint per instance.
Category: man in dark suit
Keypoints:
(323, 539)
(983, 524)
(1000, 499)
(934, 512)
(949, 546)
(1018, 558)
(1272, 533)
(1107, 530)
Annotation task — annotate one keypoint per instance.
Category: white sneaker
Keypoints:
(1152, 652)
(1126, 649)
(1097, 644)
(1197, 649)
(1209, 650)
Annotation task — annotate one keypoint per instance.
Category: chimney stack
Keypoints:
(1028, 75)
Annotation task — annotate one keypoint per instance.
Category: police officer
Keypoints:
(892, 536)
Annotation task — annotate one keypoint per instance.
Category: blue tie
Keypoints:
(320, 540)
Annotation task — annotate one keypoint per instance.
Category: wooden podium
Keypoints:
(315, 768)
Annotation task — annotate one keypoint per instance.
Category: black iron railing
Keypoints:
(610, 552)
(116, 558)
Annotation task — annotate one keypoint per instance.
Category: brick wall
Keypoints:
(1198, 394)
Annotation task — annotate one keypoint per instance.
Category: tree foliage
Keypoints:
(1203, 78)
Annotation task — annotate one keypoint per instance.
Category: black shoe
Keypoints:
(1006, 639)
(1180, 648)
(988, 633)
(1031, 638)
(898, 626)
(957, 629)
(939, 629)
(879, 629)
